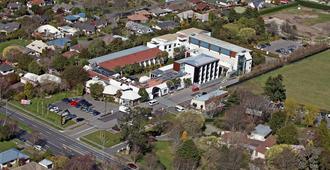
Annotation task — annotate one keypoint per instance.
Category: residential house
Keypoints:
(30, 166)
(85, 27)
(9, 27)
(59, 43)
(63, 6)
(129, 98)
(74, 18)
(159, 12)
(226, 3)
(260, 151)
(204, 17)
(67, 30)
(40, 3)
(48, 32)
(209, 101)
(13, 6)
(202, 6)
(6, 69)
(69, 54)
(261, 132)
(36, 79)
(37, 47)
(257, 4)
(138, 18)
(80, 46)
(11, 156)
(46, 163)
(99, 24)
(141, 55)
(165, 25)
(138, 28)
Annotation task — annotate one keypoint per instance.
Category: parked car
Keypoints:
(179, 108)
(132, 166)
(153, 102)
(80, 119)
(124, 109)
(37, 147)
(66, 100)
(95, 113)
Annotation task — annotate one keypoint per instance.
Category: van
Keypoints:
(153, 102)
(179, 108)
(124, 109)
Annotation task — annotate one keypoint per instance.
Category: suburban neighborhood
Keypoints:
(164, 84)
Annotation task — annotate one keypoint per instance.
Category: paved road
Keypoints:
(57, 141)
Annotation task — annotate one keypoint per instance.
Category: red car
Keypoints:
(195, 88)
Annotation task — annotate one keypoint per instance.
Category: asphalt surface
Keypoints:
(58, 142)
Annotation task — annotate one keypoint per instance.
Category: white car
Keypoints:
(124, 109)
(37, 147)
(179, 108)
(153, 102)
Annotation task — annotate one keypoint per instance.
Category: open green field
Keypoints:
(5, 145)
(165, 153)
(306, 81)
(102, 138)
(13, 42)
(40, 110)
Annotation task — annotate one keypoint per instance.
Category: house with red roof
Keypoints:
(141, 55)
(35, 2)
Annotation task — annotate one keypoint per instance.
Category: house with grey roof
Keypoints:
(86, 27)
(14, 5)
(165, 25)
(261, 132)
(11, 156)
(9, 27)
(138, 28)
(208, 101)
(6, 69)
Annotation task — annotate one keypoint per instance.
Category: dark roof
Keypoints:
(14, 5)
(85, 26)
(167, 25)
(5, 67)
(81, 45)
(9, 27)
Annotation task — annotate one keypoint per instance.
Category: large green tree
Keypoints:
(187, 155)
(35, 68)
(74, 75)
(277, 121)
(288, 135)
(59, 62)
(144, 94)
(275, 89)
(96, 90)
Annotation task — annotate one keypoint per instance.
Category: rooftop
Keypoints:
(262, 130)
(167, 37)
(5, 67)
(118, 54)
(191, 31)
(220, 43)
(10, 155)
(210, 95)
(198, 60)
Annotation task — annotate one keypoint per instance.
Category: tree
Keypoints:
(291, 107)
(85, 162)
(309, 158)
(24, 61)
(286, 159)
(144, 94)
(97, 48)
(275, 89)
(187, 156)
(96, 90)
(59, 62)
(74, 75)
(59, 161)
(192, 122)
(258, 58)
(28, 90)
(233, 16)
(287, 135)
(235, 118)
(277, 121)
(35, 68)
(247, 34)
(152, 162)
(311, 115)
(323, 134)
(187, 82)
(119, 94)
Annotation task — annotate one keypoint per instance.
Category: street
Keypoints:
(58, 142)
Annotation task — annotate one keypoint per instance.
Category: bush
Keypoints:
(277, 8)
(311, 4)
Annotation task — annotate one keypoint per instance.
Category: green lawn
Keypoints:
(40, 111)
(5, 145)
(165, 153)
(306, 81)
(102, 139)
(13, 42)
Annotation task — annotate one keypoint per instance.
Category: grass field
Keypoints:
(42, 112)
(13, 42)
(164, 153)
(5, 145)
(306, 81)
(102, 138)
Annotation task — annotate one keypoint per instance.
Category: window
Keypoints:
(194, 41)
(204, 44)
(215, 48)
(165, 47)
(225, 51)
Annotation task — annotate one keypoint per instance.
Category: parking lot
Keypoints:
(281, 47)
(85, 108)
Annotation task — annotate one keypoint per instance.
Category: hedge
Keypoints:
(304, 3)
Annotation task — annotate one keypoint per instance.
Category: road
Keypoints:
(58, 142)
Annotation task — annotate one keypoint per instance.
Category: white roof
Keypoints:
(38, 46)
(162, 86)
(49, 29)
(94, 81)
(45, 162)
(110, 90)
(144, 79)
(130, 95)
(49, 77)
(31, 76)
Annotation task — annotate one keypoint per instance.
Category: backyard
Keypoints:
(19, 42)
(40, 111)
(306, 81)
(164, 153)
(102, 139)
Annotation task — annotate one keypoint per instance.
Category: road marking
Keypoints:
(83, 131)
